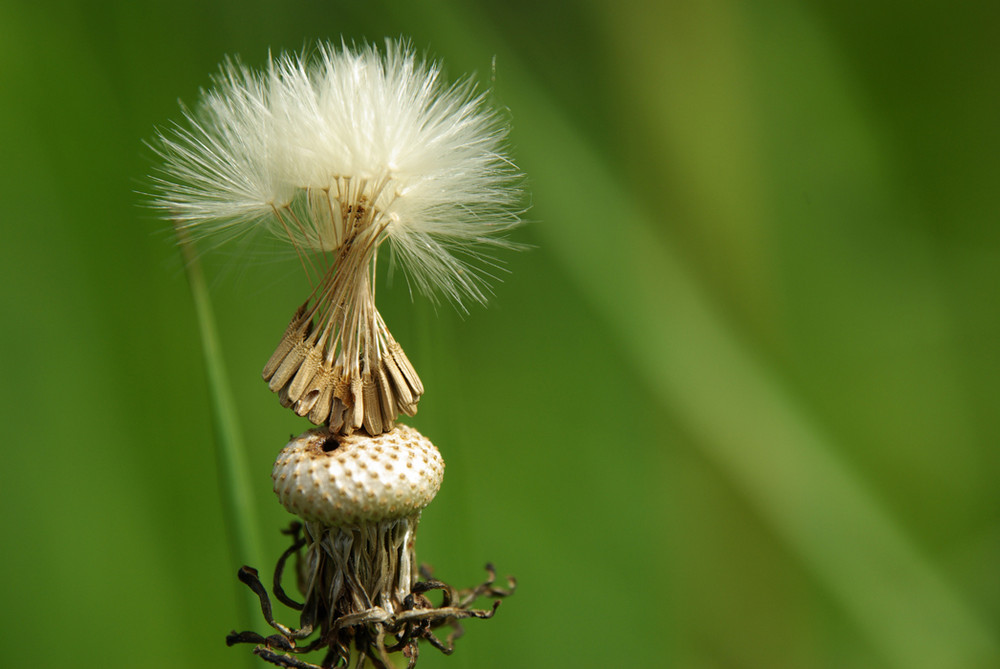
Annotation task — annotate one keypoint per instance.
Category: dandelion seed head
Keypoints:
(348, 136)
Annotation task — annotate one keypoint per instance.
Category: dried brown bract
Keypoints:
(371, 633)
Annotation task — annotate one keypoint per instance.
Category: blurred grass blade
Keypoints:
(706, 376)
(702, 373)
(237, 498)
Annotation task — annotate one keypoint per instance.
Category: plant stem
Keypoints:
(237, 498)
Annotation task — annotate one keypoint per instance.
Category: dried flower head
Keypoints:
(360, 498)
(339, 152)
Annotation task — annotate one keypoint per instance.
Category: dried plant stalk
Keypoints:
(362, 596)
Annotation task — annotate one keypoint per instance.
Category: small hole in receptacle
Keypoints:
(330, 444)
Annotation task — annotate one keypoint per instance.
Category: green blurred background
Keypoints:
(738, 407)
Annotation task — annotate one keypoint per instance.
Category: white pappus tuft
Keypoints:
(338, 152)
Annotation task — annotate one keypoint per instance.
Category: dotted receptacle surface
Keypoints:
(350, 480)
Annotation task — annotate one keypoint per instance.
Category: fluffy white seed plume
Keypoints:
(337, 153)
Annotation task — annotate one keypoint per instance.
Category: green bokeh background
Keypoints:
(737, 407)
